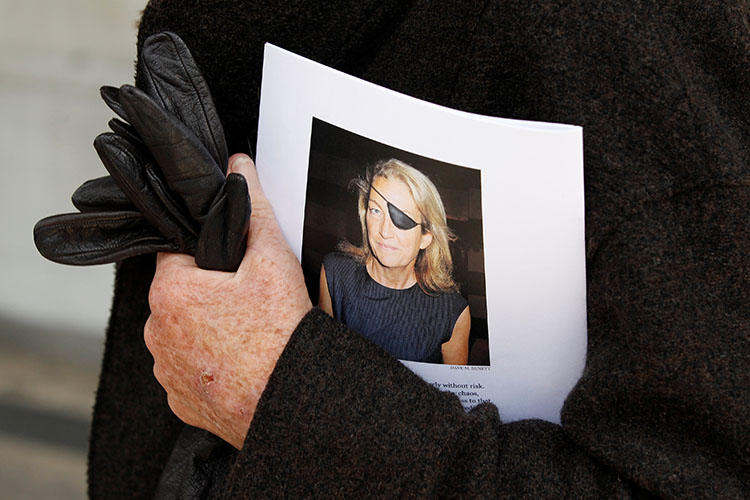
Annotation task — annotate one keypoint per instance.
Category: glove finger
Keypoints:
(111, 97)
(155, 183)
(173, 79)
(186, 166)
(97, 238)
(126, 130)
(101, 195)
(223, 237)
(173, 206)
(126, 164)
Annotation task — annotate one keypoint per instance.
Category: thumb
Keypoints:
(242, 164)
(265, 237)
(263, 221)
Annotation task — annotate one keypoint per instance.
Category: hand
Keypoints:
(215, 337)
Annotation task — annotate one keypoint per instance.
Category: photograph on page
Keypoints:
(392, 247)
(454, 241)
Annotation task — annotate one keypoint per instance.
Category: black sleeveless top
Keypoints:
(408, 323)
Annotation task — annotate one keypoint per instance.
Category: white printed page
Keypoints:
(512, 195)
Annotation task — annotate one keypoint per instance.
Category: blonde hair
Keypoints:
(434, 265)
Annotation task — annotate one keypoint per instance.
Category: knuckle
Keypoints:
(149, 334)
(156, 295)
(159, 376)
(175, 406)
(165, 294)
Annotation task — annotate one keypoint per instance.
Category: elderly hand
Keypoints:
(215, 337)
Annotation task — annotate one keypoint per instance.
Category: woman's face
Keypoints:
(393, 247)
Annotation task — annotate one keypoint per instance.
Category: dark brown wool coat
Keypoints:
(661, 90)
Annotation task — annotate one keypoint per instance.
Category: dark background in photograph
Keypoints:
(336, 157)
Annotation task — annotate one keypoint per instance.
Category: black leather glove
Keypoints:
(167, 189)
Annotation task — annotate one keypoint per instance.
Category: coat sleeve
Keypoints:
(660, 409)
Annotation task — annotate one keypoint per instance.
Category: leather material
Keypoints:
(101, 194)
(123, 129)
(186, 165)
(167, 189)
(98, 238)
(165, 57)
(133, 173)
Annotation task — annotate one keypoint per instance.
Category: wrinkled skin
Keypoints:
(215, 336)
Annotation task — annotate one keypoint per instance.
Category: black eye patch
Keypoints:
(398, 217)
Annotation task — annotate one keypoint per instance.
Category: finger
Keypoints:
(264, 229)
(265, 235)
(150, 336)
(244, 165)
(169, 268)
(167, 263)
(160, 376)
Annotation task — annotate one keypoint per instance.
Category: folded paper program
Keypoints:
(167, 189)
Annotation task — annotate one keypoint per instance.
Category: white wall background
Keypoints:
(53, 58)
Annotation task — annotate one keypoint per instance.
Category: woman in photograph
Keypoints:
(397, 288)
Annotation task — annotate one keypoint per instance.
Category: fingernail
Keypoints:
(239, 162)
